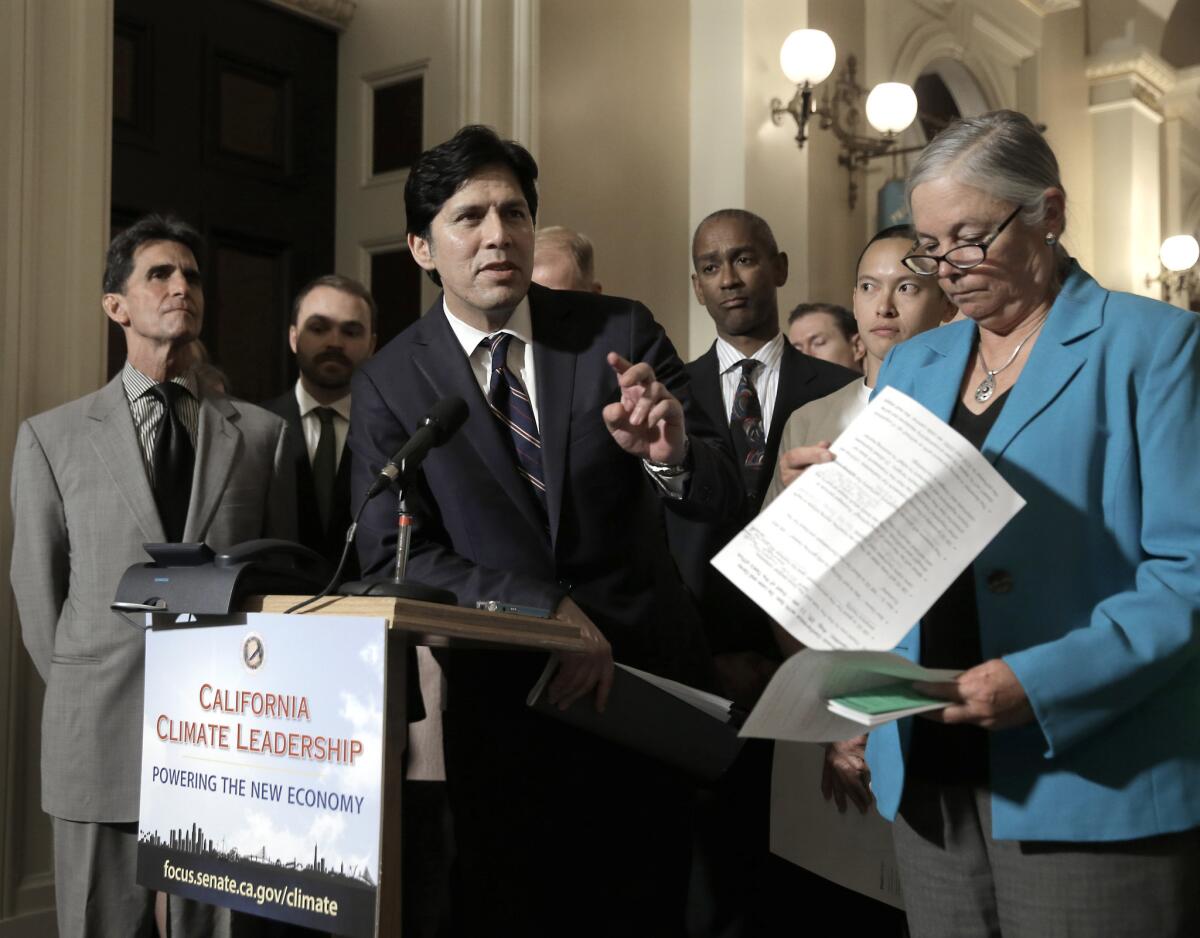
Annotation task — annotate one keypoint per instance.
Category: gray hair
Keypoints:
(1001, 153)
(573, 242)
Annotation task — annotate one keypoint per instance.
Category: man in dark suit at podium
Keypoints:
(580, 422)
(747, 383)
(332, 333)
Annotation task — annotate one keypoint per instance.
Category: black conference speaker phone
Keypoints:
(192, 578)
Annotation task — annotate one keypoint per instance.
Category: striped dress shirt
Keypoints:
(765, 379)
(147, 411)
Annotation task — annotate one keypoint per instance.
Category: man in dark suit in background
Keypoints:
(580, 423)
(748, 384)
(332, 333)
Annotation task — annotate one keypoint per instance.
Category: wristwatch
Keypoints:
(666, 470)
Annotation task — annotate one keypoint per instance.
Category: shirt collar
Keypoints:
(770, 354)
(520, 324)
(308, 403)
(137, 384)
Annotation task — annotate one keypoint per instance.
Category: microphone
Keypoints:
(435, 428)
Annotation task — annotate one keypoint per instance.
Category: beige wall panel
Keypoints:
(612, 112)
(54, 163)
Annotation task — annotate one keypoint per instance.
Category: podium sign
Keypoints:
(262, 762)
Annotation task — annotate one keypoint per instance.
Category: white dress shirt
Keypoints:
(311, 423)
(765, 377)
(520, 352)
(520, 362)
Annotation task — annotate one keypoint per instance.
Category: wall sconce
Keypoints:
(807, 57)
(1178, 256)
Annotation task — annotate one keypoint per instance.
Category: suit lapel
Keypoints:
(1054, 361)
(936, 385)
(438, 357)
(115, 441)
(217, 443)
(706, 388)
(554, 371)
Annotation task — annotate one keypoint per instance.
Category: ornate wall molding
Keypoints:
(933, 41)
(1046, 7)
(336, 14)
(1182, 102)
(1136, 74)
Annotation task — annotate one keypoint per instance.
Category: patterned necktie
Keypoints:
(746, 427)
(509, 402)
(174, 461)
(324, 465)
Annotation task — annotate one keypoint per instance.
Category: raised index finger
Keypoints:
(618, 364)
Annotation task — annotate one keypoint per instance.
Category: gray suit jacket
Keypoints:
(82, 508)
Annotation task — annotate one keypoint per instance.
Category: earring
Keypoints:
(1051, 240)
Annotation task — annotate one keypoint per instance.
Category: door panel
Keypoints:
(224, 113)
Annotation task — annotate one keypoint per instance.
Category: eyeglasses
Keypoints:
(964, 257)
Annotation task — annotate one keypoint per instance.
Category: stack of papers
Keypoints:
(851, 555)
(884, 704)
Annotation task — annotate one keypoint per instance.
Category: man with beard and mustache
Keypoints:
(333, 332)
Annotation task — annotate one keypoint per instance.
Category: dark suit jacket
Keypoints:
(732, 621)
(478, 530)
(326, 541)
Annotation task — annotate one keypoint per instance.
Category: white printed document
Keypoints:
(855, 551)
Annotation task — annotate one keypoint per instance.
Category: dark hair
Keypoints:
(441, 171)
(119, 263)
(899, 232)
(346, 285)
(758, 226)
(845, 320)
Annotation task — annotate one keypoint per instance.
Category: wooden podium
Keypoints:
(418, 623)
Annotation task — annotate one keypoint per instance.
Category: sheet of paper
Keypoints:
(855, 551)
(853, 850)
(793, 706)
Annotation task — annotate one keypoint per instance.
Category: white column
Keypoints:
(1124, 94)
(717, 145)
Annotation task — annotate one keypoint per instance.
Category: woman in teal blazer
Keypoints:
(1060, 792)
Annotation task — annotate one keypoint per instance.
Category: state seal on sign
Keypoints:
(254, 652)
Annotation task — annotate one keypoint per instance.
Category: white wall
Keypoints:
(387, 40)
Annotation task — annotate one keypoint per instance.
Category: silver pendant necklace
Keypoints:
(988, 385)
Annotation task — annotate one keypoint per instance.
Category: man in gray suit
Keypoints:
(144, 459)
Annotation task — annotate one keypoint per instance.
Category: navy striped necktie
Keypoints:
(509, 401)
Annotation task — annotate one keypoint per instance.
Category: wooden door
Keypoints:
(224, 112)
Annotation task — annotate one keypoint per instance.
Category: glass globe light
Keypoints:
(891, 107)
(1179, 253)
(807, 55)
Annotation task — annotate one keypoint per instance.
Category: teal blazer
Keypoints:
(1091, 594)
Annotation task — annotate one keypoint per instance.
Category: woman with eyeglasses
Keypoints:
(1059, 792)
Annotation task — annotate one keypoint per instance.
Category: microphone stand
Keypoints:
(396, 585)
